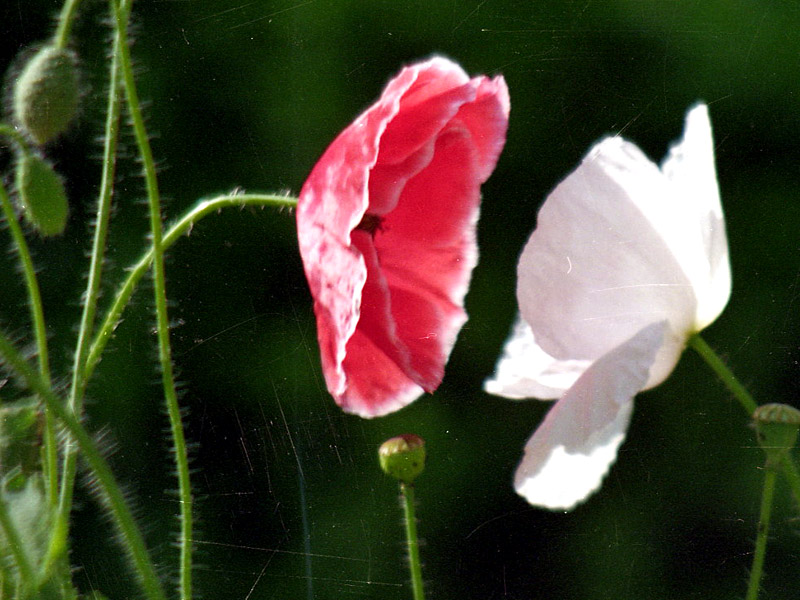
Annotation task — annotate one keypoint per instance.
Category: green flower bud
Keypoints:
(777, 426)
(403, 457)
(42, 195)
(46, 93)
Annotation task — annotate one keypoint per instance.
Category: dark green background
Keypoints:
(290, 501)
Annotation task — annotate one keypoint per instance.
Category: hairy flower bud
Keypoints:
(46, 93)
(403, 457)
(42, 195)
(777, 427)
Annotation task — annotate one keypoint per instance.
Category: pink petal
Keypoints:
(427, 248)
(388, 294)
(570, 453)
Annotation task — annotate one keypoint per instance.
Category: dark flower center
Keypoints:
(370, 224)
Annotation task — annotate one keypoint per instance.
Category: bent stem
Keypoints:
(763, 529)
(65, 20)
(40, 333)
(78, 385)
(744, 397)
(182, 226)
(409, 513)
(160, 295)
(120, 512)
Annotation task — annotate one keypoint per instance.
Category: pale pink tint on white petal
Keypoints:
(596, 270)
(570, 453)
(526, 371)
(689, 166)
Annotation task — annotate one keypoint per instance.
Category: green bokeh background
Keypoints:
(290, 501)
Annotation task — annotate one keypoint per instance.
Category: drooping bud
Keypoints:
(46, 93)
(42, 195)
(777, 427)
(403, 457)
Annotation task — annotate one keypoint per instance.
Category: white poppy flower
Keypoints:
(627, 261)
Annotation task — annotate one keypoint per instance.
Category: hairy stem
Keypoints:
(78, 384)
(410, 517)
(65, 20)
(724, 373)
(181, 227)
(761, 537)
(744, 397)
(40, 333)
(160, 295)
(120, 512)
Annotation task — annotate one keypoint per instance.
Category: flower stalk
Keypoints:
(120, 512)
(159, 291)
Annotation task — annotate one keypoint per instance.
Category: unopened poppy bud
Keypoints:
(776, 429)
(46, 93)
(42, 195)
(403, 457)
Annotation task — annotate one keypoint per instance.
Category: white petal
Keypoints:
(690, 168)
(527, 371)
(597, 270)
(571, 451)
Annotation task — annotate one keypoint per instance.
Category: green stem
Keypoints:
(761, 537)
(40, 332)
(792, 477)
(746, 400)
(160, 295)
(15, 136)
(119, 509)
(409, 512)
(78, 385)
(724, 373)
(181, 227)
(65, 20)
(16, 547)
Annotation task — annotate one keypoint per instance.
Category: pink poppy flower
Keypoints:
(386, 227)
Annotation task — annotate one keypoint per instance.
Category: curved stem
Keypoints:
(724, 373)
(78, 385)
(761, 537)
(15, 136)
(746, 400)
(182, 226)
(119, 509)
(40, 332)
(65, 20)
(409, 512)
(160, 294)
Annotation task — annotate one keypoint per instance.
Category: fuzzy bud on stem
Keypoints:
(46, 94)
(777, 427)
(403, 457)
(42, 195)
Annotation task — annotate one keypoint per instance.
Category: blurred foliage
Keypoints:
(291, 503)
